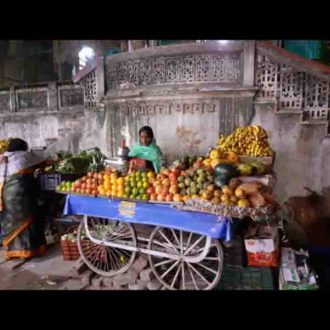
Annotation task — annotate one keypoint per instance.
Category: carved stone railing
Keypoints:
(293, 83)
(91, 78)
(183, 64)
(42, 97)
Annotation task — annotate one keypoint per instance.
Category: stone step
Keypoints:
(315, 122)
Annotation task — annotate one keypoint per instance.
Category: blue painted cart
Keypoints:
(183, 247)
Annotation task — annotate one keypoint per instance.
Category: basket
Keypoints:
(50, 181)
(70, 250)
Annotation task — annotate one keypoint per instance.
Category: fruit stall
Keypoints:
(189, 209)
(190, 206)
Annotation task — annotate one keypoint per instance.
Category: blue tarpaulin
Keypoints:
(150, 214)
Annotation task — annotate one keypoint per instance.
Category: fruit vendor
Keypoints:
(146, 154)
(21, 226)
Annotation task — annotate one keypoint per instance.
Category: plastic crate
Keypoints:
(49, 182)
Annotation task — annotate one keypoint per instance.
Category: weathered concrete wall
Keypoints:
(39, 128)
(182, 126)
(302, 151)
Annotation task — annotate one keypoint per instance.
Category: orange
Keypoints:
(121, 188)
(120, 194)
(120, 181)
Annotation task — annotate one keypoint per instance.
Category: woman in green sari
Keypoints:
(146, 154)
(21, 226)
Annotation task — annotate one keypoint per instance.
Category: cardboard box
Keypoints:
(295, 274)
(261, 244)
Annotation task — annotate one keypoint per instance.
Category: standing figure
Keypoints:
(21, 226)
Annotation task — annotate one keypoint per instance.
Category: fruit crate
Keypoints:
(268, 161)
(49, 181)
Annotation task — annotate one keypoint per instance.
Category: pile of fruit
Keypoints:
(133, 186)
(65, 187)
(3, 146)
(247, 141)
(219, 179)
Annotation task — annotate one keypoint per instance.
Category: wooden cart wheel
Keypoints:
(185, 274)
(102, 259)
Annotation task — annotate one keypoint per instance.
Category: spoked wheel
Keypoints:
(100, 258)
(197, 262)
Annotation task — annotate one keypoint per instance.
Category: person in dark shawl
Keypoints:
(21, 226)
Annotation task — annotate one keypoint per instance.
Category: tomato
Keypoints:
(177, 198)
(165, 190)
(169, 198)
(159, 189)
(153, 197)
(150, 190)
(161, 198)
(173, 189)
(166, 182)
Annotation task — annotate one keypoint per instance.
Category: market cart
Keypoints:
(183, 247)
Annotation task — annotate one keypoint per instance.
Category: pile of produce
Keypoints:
(133, 186)
(247, 141)
(188, 161)
(82, 162)
(3, 146)
(222, 180)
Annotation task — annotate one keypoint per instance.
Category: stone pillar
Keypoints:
(152, 43)
(249, 60)
(52, 97)
(100, 85)
(130, 46)
(12, 96)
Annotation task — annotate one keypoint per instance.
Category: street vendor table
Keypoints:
(183, 249)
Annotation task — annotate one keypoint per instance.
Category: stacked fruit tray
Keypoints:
(268, 213)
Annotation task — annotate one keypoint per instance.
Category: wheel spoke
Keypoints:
(163, 262)
(181, 242)
(168, 241)
(176, 237)
(192, 246)
(175, 277)
(183, 278)
(207, 268)
(169, 269)
(165, 246)
(211, 258)
(189, 238)
(193, 278)
(199, 274)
